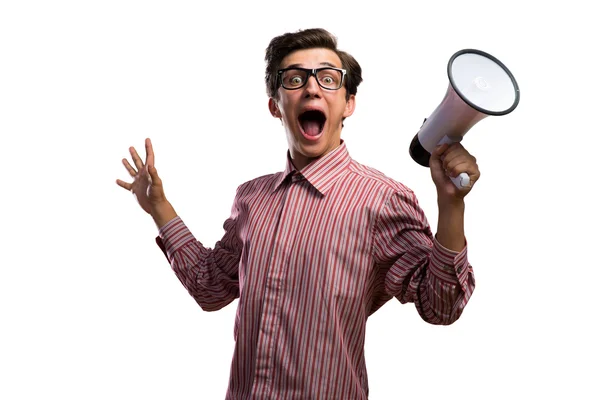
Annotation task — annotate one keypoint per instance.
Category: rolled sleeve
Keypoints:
(450, 266)
(173, 236)
(417, 267)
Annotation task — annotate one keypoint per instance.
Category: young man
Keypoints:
(314, 250)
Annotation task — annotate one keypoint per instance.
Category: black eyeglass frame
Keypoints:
(311, 72)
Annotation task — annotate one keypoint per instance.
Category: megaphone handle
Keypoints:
(461, 181)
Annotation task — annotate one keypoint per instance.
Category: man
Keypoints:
(314, 250)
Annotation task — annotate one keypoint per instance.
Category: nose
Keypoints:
(312, 88)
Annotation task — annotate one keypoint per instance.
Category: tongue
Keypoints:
(311, 128)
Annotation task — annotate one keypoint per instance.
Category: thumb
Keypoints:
(156, 181)
(436, 154)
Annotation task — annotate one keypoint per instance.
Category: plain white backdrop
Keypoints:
(89, 307)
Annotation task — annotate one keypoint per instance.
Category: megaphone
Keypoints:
(480, 85)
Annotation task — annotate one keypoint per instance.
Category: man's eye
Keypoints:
(328, 80)
(296, 80)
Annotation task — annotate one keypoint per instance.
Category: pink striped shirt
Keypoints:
(311, 255)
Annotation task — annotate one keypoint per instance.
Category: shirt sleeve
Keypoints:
(415, 267)
(209, 275)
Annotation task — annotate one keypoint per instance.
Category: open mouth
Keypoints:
(312, 122)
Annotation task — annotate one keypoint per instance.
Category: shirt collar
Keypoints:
(323, 172)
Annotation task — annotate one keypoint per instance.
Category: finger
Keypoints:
(456, 146)
(437, 156)
(438, 151)
(149, 152)
(456, 150)
(451, 155)
(156, 181)
(452, 161)
(124, 185)
(129, 168)
(467, 167)
(136, 159)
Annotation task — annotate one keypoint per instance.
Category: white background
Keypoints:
(89, 307)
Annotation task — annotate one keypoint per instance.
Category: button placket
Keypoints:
(272, 297)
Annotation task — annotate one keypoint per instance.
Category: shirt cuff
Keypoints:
(173, 236)
(449, 265)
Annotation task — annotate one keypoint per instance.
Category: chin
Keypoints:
(316, 148)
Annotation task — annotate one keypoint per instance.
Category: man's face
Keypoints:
(312, 116)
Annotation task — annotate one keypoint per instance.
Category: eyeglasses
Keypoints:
(328, 77)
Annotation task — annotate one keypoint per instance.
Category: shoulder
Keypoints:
(378, 179)
(395, 205)
(383, 194)
(260, 184)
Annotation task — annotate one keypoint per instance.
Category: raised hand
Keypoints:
(147, 187)
(449, 160)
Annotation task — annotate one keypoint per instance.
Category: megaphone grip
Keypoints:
(461, 181)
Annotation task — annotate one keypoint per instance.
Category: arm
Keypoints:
(416, 267)
(431, 272)
(209, 275)
(451, 225)
(450, 161)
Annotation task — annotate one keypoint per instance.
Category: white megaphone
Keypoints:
(480, 85)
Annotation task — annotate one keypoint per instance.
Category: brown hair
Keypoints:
(287, 43)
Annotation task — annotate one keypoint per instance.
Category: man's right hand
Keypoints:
(147, 187)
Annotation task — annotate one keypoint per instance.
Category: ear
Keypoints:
(350, 104)
(273, 108)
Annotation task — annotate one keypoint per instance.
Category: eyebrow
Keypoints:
(323, 64)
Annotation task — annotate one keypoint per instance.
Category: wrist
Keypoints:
(162, 213)
(450, 204)
(451, 231)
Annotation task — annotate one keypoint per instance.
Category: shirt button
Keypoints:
(459, 269)
(297, 177)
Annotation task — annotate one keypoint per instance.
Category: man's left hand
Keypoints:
(450, 160)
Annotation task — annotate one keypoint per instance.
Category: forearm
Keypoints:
(438, 280)
(162, 214)
(433, 273)
(451, 225)
(209, 275)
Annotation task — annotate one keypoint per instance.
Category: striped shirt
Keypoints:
(311, 255)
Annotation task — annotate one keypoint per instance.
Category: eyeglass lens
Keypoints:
(296, 78)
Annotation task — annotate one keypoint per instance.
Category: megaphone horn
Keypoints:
(480, 85)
